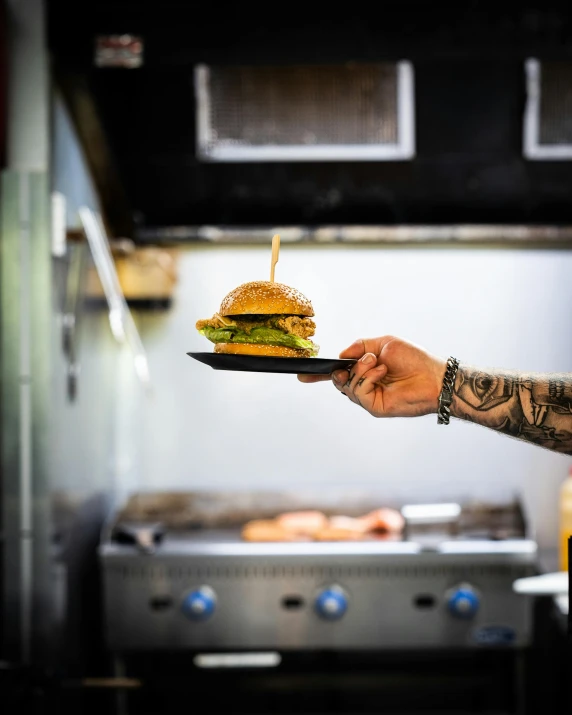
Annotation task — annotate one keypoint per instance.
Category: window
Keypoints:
(360, 112)
(548, 112)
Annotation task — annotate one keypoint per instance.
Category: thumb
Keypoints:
(355, 350)
(365, 345)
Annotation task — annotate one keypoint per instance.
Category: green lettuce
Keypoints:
(261, 336)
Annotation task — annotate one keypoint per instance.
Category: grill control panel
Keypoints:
(176, 600)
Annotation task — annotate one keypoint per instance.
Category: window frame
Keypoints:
(403, 149)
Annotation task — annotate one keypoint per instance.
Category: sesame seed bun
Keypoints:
(262, 350)
(265, 298)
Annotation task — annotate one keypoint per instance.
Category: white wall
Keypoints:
(208, 429)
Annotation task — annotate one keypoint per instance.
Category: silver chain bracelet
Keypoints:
(446, 396)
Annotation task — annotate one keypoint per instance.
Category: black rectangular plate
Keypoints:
(257, 363)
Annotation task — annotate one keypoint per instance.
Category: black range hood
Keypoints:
(469, 102)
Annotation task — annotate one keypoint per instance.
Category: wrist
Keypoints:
(447, 392)
(439, 374)
(454, 408)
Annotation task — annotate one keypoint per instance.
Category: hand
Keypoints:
(391, 378)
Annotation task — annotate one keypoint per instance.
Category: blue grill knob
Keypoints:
(199, 604)
(463, 602)
(331, 603)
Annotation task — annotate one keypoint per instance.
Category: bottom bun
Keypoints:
(263, 350)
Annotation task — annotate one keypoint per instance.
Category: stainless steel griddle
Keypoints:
(183, 579)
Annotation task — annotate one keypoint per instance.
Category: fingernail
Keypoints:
(338, 376)
(367, 359)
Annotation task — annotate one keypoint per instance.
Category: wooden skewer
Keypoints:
(275, 251)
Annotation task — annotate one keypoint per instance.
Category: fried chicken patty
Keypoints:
(296, 324)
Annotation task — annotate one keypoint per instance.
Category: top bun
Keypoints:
(265, 298)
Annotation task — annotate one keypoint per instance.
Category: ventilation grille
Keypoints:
(548, 116)
(144, 573)
(305, 113)
(556, 103)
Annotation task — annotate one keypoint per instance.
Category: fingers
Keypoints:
(313, 378)
(365, 345)
(367, 392)
(339, 378)
(362, 380)
(365, 363)
(356, 351)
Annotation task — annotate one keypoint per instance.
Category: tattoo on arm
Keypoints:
(536, 407)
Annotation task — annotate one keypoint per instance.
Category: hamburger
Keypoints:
(262, 318)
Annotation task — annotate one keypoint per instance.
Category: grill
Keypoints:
(178, 576)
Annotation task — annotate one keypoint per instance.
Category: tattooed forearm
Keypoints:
(533, 407)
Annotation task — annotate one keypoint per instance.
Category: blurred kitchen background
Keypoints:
(416, 161)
